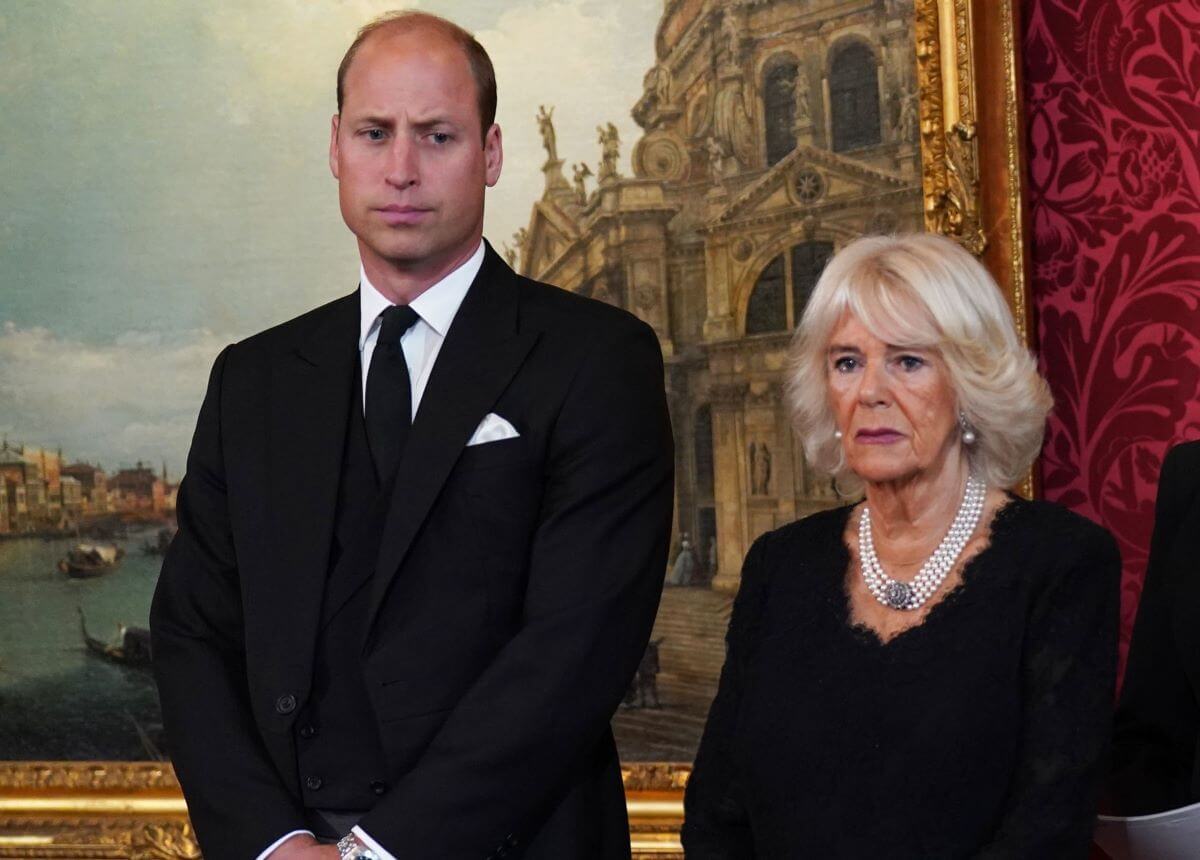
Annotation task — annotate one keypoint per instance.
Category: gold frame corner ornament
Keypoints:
(949, 140)
(972, 164)
(972, 149)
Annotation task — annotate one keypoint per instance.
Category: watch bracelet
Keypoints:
(350, 848)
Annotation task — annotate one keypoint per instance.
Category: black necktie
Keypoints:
(389, 393)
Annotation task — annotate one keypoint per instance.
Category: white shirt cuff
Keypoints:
(280, 841)
(372, 844)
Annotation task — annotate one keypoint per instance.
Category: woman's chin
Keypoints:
(882, 470)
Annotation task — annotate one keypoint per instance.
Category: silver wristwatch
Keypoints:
(349, 848)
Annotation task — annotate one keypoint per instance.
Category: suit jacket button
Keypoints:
(307, 732)
(379, 786)
(313, 783)
(285, 704)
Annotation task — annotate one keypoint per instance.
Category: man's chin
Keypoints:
(411, 252)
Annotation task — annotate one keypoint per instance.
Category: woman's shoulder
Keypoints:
(804, 532)
(1051, 517)
(1047, 530)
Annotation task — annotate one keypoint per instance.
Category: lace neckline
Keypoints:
(1000, 523)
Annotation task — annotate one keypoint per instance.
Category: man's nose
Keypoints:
(402, 170)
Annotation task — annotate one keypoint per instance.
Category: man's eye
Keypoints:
(440, 137)
(374, 133)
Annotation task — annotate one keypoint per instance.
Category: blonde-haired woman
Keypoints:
(927, 673)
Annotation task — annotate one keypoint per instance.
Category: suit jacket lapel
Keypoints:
(483, 350)
(310, 399)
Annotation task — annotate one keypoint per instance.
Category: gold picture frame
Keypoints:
(973, 168)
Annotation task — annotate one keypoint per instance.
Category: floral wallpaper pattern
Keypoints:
(1112, 93)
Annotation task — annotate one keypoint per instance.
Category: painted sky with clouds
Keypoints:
(166, 189)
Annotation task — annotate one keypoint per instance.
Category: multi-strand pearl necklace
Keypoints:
(904, 595)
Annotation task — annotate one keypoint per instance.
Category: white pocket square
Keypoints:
(492, 428)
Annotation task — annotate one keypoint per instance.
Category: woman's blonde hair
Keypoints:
(922, 290)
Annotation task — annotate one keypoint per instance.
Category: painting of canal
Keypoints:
(58, 698)
(167, 192)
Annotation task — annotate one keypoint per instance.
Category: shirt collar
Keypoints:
(436, 306)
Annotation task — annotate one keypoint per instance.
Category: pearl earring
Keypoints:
(837, 434)
(968, 432)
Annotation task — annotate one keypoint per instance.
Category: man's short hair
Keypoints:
(477, 57)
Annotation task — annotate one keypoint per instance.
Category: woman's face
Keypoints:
(894, 405)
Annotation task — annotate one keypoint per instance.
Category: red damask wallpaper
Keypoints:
(1113, 117)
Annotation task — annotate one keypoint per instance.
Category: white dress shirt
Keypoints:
(436, 307)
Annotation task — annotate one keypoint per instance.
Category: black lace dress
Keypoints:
(979, 733)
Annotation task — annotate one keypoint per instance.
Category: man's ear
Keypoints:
(333, 145)
(493, 155)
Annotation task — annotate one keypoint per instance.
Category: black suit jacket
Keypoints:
(1156, 744)
(514, 593)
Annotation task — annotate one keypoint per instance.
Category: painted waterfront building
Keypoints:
(72, 501)
(774, 131)
(18, 511)
(93, 486)
(137, 490)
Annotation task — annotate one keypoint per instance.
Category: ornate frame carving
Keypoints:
(973, 160)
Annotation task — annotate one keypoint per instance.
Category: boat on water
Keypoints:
(131, 647)
(161, 542)
(91, 559)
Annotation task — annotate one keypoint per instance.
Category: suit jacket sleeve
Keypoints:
(199, 664)
(1154, 743)
(595, 576)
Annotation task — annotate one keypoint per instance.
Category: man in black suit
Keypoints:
(423, 530)
(1156, 741)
